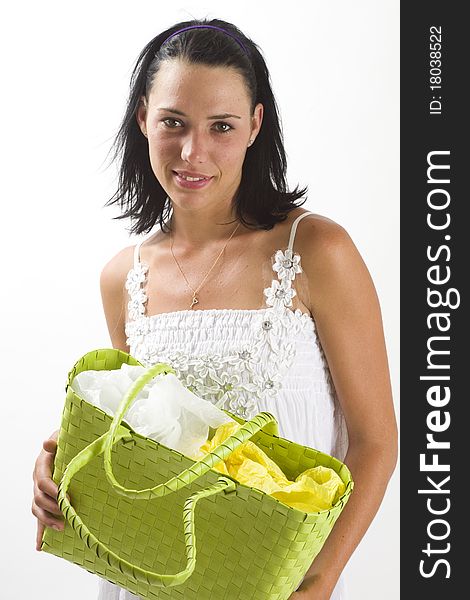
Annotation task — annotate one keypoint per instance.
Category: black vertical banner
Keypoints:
(435, 345)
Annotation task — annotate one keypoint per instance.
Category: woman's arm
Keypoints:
(113, 295)
(112, 284)
(346, 310)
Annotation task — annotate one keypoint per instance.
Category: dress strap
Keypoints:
(137, 252)
(135, 282)
(294, 229)
(287, 266)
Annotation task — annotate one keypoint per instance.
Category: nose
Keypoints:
(194, 147)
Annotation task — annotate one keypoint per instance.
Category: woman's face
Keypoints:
(198, 123)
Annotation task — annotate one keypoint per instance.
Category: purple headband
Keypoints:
(239, 42)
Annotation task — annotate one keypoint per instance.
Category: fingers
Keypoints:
(45, 461)
(50, 445)
(45, 495)
(47, 510)
(42, 474)
(44, 506)
(46, 518)
(39, 534)
(44, 464)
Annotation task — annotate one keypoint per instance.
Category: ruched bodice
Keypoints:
(245, 361)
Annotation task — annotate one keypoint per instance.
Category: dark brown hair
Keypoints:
(262, 198)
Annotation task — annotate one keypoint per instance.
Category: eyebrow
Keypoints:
(179, 112)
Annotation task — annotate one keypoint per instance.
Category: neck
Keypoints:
(201, 228)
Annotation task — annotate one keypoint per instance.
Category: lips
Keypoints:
(192, 176)
(192, 181)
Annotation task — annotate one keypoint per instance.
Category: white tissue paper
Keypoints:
(164, 410)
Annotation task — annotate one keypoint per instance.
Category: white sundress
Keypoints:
(245, 361)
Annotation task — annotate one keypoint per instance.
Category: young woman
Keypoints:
(256, 302)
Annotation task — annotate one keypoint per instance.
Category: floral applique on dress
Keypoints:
(235, 380)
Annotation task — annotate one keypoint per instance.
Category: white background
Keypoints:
(65, 69)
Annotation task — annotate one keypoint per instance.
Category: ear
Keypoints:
(141, 115)
(256, 120)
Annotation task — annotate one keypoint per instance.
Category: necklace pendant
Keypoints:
(194, 301)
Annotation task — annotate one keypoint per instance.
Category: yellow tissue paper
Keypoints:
(313, 490)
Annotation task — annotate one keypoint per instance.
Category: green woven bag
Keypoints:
(132, 518)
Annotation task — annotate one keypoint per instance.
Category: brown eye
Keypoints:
(229, 127)
(169, 122)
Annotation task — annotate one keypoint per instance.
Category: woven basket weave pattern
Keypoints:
(249, 545)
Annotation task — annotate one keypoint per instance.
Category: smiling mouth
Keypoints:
(189, 178)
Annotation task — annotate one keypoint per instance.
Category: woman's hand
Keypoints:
(44, 505)
(299, 595)
(312, 588)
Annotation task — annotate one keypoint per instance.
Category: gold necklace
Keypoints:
(195, 299)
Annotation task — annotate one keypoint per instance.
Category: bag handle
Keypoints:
(117, 432)
(199, 468)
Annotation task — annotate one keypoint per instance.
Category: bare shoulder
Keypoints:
(320, 233)
(112, 285)
(320, 240)
(330, 259)
(114, 272)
